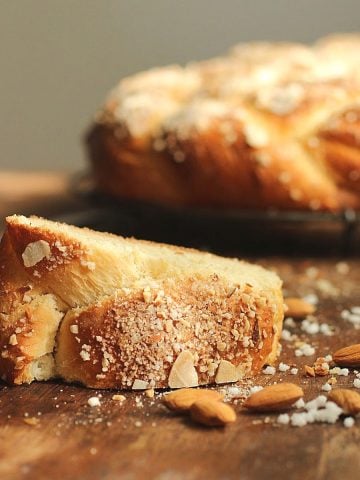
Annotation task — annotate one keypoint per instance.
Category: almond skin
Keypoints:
(348, 400)
(212, 413)
(298, 308)
(274, 398)
(183, 399)
(309, 371)
(348, 356)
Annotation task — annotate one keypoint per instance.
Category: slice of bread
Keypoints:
(111, 312)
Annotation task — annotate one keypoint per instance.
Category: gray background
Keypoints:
(60, 57)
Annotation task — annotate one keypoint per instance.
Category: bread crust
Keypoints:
(221, 134)
(117, 313)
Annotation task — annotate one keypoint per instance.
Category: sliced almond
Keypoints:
(35, 252)
(309, 371)
(298, 308)
(226, 373)
(348, 356)
(274, 397)
(183, 372)
(140, 385)
(348, 400)
(182, 399)
(212, 413)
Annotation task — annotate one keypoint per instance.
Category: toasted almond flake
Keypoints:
(140, 385)
(226, 373)
(13, 339)
(150, 393)
(183, 372)
(309, 371)
(35, 252)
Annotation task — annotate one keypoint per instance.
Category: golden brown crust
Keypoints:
(132, 337)
(268, 126)
(109, 312)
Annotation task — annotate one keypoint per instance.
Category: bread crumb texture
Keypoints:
(113, 312)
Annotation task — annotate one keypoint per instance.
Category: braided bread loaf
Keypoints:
(267, 126)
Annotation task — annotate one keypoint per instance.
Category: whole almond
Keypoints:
(212, 413)
(348, 356)
(274, 397)
(348, 400)
(298, 308)
(183, 399)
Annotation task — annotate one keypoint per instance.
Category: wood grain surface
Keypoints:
(141, 439)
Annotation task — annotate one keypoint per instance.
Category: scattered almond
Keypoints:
(348, 400)
(274, 397)
(298, 308)
(150, 393)
(309, 371)
(321, 367)
(212, 413)
(183, 399)
(32, 421)
(183, 372)
(348, 356)
(118, 398)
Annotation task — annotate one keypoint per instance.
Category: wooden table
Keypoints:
(141, 439)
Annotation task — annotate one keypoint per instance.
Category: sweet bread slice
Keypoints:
(111, 312)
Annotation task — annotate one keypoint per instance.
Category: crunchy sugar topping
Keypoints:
(352, 315)
(305, 350)
(74, 329)
(85, 352)
(88, 264)
(255, 136)
(279, 80)
(356, 383)
(283, 367)
(269, 370)
(197, 335)
(349, 422)
(94, 402)
(281, 100)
